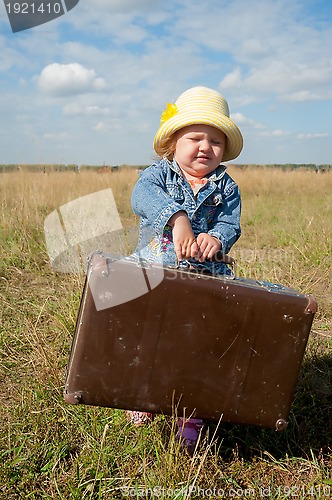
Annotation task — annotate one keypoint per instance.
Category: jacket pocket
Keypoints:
(175, 192)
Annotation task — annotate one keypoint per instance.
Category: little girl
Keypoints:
(189, 207)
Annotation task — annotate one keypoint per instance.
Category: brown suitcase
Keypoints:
(155, 339)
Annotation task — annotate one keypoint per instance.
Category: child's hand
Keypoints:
(185, 244)
(208, 246)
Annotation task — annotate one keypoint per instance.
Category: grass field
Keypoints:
(51, 450)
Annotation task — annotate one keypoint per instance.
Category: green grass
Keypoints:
(52, 450)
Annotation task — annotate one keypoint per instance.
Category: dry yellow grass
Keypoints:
(52, 450)
(286, 218)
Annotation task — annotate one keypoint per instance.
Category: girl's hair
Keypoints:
(168, 148)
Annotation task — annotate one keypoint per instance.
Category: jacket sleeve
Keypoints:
(151, 201)
(226, 224)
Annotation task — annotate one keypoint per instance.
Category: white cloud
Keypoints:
(290, 81)
(232, 80)
(123, 5)
(66, 79)
(241, 119)
(55, 136)
(312, 136)
(274, 133)
(119, 62)
(74, 109)
(308, 95)
(242, 28)
(276, 51)
(120, 21)
(100, 127)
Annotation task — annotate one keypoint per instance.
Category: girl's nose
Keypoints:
(204, 145)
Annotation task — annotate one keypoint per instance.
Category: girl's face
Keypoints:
(199, 150)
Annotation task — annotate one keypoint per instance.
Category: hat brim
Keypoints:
(234, 143)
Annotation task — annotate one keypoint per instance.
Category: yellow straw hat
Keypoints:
(199, 105)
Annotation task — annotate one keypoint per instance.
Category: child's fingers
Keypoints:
(206, 249)
(208, 246)
(186, 249)
(178, 250)
(195, 251)
(209, 252)
(190, 249)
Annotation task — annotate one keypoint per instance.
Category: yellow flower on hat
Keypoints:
(170, 111)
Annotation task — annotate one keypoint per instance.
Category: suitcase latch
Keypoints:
(99, 263)
(281, 424)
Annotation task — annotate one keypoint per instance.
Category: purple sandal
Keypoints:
(188, 433)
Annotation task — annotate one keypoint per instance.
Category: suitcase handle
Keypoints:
(218, 257)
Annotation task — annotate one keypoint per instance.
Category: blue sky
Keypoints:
(90, 86)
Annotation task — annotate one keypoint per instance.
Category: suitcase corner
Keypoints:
(312, 305)
(73, 398)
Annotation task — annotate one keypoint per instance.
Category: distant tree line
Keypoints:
(113, 168)
(289, 166)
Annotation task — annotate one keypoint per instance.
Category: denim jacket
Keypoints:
(162, 190)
